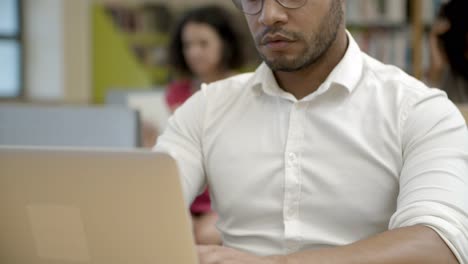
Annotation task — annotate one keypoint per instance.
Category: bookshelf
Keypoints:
(145, 29)
(417, 30)
(393, 31)
(129, 46)
(130, 40)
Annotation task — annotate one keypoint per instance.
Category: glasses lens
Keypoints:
(292, 3)
(250, 7)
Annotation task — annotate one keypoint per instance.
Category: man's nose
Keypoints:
(272, 13)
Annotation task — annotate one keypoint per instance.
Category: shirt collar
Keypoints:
(347, 74)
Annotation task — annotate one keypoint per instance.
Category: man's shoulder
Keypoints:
(395, 80)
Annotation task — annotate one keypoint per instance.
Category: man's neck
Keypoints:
(306, 81)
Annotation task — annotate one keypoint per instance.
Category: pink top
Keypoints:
(177, 93)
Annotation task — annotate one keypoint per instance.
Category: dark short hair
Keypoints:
(220, 20)
(455, 40)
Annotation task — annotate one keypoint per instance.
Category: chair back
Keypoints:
(76, 126)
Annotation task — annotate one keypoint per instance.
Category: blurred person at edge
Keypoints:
(205, 47)
(448, 42)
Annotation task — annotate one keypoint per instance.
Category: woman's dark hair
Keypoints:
(455, 40)
(219, 20)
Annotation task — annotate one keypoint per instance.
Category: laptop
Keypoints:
(63, 206)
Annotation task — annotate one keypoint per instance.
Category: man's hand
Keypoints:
(221, 255)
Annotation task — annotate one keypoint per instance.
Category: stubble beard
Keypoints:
(316, 45)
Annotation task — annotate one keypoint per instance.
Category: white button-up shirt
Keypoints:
(371, 150)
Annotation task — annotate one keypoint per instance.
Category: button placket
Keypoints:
(292, 174)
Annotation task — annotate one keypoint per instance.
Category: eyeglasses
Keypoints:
(253, 7)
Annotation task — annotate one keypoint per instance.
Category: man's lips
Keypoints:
(272, 39)
(276, 42)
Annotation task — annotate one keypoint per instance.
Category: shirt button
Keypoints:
(292, 157)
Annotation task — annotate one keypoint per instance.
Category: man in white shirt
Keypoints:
(323, 155)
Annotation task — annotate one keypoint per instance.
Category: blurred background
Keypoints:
(101, 53)
(102, 73)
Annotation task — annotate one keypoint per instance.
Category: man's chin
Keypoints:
(284, 66)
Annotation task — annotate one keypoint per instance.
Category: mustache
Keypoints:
(263, 37)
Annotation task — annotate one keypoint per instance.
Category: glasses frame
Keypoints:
(238, 4)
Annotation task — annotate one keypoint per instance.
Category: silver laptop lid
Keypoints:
(92, 206)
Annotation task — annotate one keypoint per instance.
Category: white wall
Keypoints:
(43, 43)
(57, 50)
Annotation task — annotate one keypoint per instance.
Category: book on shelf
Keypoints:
(145, 29)
(431, 10)
(378, 12)
(387, 46)
(381, 29)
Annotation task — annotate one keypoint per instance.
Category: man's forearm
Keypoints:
(409, 245)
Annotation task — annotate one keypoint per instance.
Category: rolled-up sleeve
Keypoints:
(182, 140)
(434, 177)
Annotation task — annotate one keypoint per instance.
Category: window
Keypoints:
(10, 49)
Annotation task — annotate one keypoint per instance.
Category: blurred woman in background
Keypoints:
(449, 51)
(205, 47)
